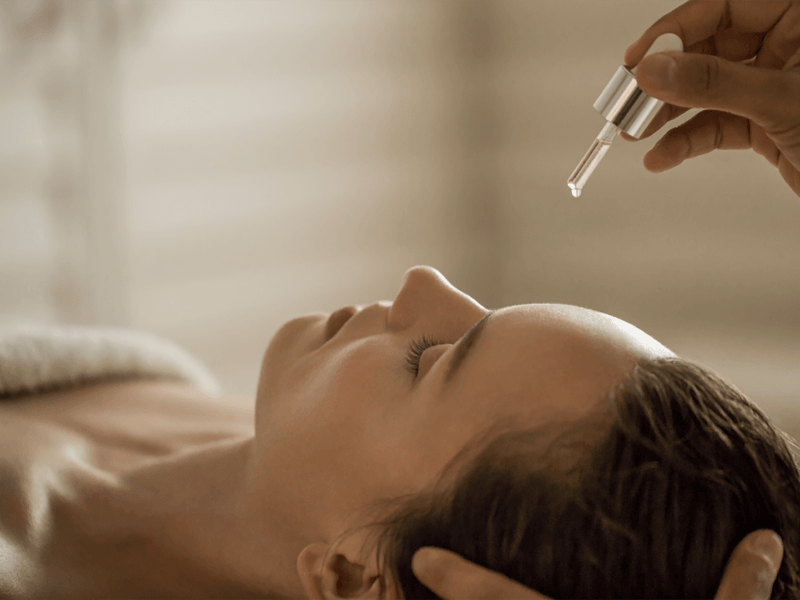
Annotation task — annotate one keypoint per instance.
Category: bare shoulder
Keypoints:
(151, 417)
(162, 397)
(60, 441)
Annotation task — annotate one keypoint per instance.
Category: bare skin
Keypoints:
(59, 447)
(146, 489)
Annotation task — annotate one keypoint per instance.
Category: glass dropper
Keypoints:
(592, 158)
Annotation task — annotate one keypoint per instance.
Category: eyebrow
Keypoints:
(464, 346)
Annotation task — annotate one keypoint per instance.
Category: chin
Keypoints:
(294, 339)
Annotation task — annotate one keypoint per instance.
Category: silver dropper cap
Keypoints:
(624, 104)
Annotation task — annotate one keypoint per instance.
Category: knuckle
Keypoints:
(779, 115)
(701, 75)
(711, 75)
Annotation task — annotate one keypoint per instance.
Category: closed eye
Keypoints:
(415, 350)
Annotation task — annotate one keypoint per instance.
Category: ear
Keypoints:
(341, 575)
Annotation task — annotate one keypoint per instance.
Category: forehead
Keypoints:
(585, 326)
(553, 359)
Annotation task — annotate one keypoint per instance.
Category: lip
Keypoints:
(337, 320)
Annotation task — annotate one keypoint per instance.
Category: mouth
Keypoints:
(337, 320)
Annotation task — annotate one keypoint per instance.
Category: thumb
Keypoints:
(705, 81)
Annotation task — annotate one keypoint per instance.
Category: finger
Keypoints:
(706, 131)
(703, 81)
(698, 20)
(782, 41)
(452, 577)
(752, 568)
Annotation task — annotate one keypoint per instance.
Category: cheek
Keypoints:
(357, 421)
(346, 415)
(355, 377)
(338, 393)
(364, 420)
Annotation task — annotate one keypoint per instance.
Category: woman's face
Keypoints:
(342, 413)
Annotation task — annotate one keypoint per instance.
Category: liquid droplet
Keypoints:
(576, 192)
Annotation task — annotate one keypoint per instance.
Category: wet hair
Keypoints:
(646, 500)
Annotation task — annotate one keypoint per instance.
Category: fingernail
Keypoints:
(421, 562)
(660, 70)
(769, 544)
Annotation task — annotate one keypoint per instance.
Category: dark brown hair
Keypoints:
(646, 501)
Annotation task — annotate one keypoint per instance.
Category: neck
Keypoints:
(195, 525)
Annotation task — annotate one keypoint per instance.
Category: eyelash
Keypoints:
(415, 350)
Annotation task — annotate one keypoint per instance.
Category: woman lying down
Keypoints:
(561, 447)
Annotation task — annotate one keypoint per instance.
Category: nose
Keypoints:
(426, 299)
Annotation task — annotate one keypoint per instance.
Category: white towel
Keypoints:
(41, 357)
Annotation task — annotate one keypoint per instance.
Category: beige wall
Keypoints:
(703, 257)
(264, 159)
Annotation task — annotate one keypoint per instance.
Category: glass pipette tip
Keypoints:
(592, 158)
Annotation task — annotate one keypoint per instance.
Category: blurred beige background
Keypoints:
(206, 170)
